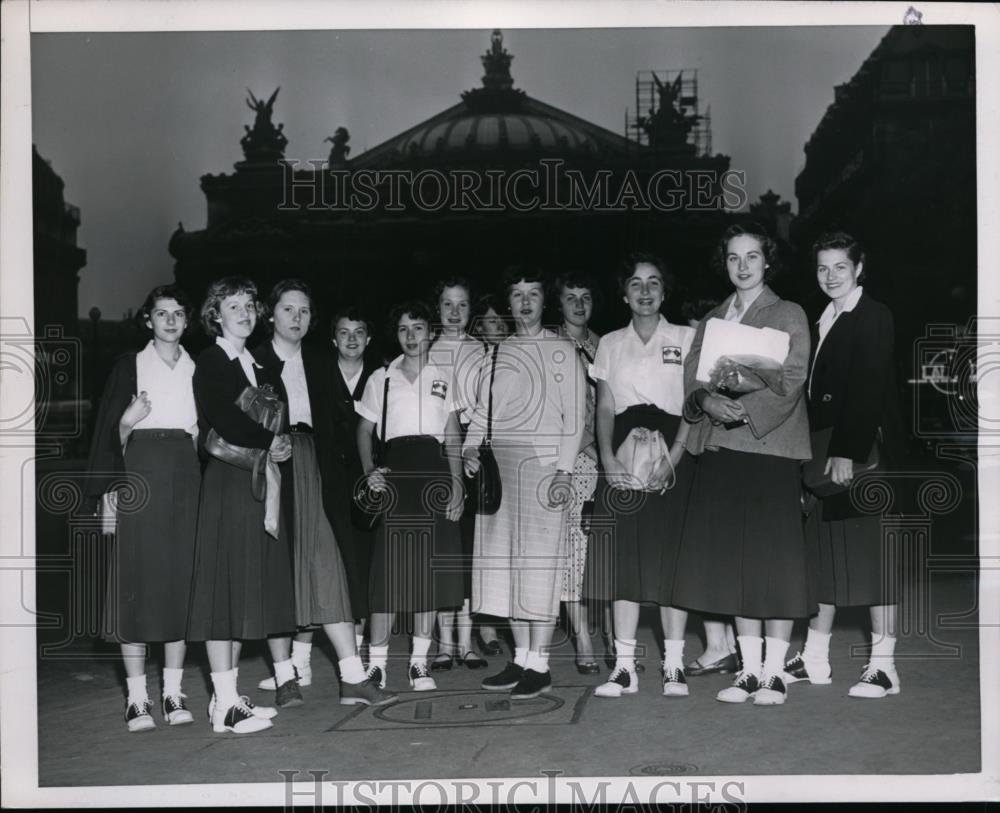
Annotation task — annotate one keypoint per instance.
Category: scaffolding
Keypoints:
(678, 88)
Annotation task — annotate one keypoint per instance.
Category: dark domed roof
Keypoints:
(514, 131)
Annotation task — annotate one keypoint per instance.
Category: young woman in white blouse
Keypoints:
(417, 545)
(145, 441)
(640, 384)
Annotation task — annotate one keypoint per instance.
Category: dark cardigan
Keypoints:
(107, 461)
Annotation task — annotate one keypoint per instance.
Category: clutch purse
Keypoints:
(485, 491)
(642, 451)
(820, 484)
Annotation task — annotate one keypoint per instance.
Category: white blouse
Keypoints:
(293, 376)
(418, 408)
(169, 390)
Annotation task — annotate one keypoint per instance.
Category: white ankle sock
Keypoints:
(537, 661)
(358, 641)
(883, 649)
(301, 653)
(774, 655)
(378, 656)
(421, 646)
(172, 681)
(817, 646)
(521, 656)
(751, 648)
(351, 669)
(284, 671)
(137, 689)
(224, 684)
(625, 647)
(673, 653)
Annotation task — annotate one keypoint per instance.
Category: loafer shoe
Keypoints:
(505, 680)
(723, 666)
(303, 674)
(473, 661)
(367, 693)
(590, 668)
(491, 648)
(442, 662)
(531, 685)
(288, 695)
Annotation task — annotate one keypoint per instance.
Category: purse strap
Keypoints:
(489, 408)
(385, 409)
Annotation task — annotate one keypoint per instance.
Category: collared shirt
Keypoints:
(293, 376)
(169, 390)
(463, 356)
(352, 382)
(826, 320)
(246, 360)
(733, 315)
(645, 372)
(420, 407)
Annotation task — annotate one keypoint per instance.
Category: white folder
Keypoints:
(724, 338)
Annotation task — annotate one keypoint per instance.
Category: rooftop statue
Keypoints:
(340, 149)
(264, 143)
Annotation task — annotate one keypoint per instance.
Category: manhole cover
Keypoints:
(664, 769)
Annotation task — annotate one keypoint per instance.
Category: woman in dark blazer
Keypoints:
(851, 391)
(242, 583)
(316, 502)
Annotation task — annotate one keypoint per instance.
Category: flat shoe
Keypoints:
(723, 666)
(491, 648)
(443, 662)
(473, 661)
(589, 668)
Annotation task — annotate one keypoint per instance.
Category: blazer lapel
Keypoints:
(765, 299)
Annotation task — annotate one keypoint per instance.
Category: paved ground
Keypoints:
(932, 727)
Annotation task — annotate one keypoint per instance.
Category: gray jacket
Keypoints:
(777, 424)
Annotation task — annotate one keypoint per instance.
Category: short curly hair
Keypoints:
(845, 242)
(415, 309)
(751, 229)
(219, 290)
(165, 292)
(628, 265)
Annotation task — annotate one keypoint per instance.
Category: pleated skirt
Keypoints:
(242, 587)
(742, 549)
(321, 592)
(152, 554)
(520, 551)
(417, 554)
(636, 535)
(849, 563)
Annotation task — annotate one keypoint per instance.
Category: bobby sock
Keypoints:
(673, 653)
(883, 649)
(358, 641)
(351, 669)
(625, 647)
(378, 656)
(224, 684)
(774, 656)
(521, 655)
(751, 649)
(537, 661)
(817, 647)
(301, 652)
(284, 671)
(137, 689)
(421, 646)
(172, 681)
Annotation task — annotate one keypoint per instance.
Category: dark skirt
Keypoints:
(849, 564)
(149, 580)
(417, 556)
(635, 535)
(242, 586)
(321, 593)
(742, 550)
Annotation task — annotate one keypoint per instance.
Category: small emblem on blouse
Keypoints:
(671, 355)
(439, 388)
(827, 398)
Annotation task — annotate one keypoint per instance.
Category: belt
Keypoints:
(412, 440)
(158, 434)
(302, 428)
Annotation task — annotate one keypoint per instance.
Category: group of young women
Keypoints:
(719, 529)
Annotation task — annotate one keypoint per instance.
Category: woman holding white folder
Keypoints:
(742, 550)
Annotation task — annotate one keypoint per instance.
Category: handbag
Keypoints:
(813, 477)
(263, 406)
(372, 503)
(484, 492)
(642, 451)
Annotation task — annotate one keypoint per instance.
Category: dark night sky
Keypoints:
(131, 121)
